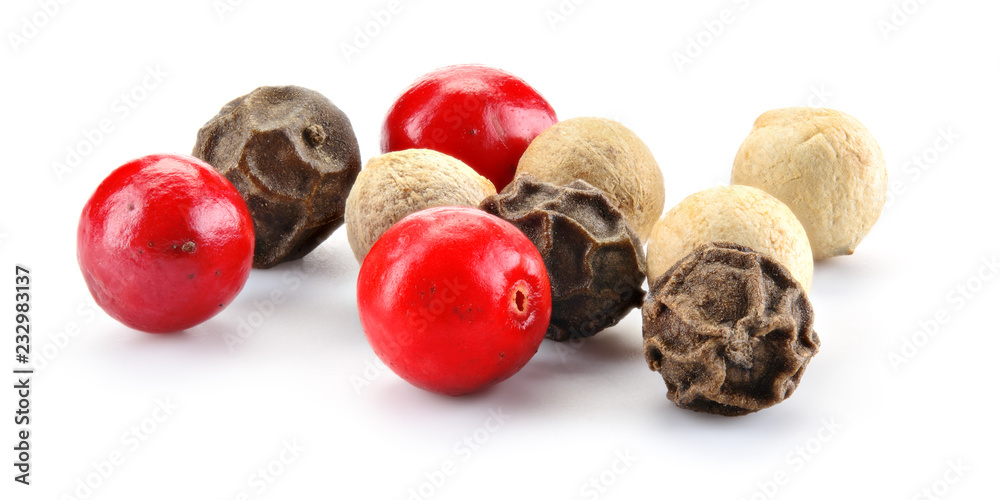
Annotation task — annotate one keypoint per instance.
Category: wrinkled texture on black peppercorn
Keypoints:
(729, 329)
(293, 157)
(594, 259)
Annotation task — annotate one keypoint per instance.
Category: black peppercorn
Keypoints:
(594, 259)
(293, 156)
(729, 329)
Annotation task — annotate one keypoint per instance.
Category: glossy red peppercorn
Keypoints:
(483, 116)
(453, 299)
(165, 243)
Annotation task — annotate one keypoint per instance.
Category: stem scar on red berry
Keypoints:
(519, 299)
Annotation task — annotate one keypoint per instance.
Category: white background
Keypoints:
(573, 411)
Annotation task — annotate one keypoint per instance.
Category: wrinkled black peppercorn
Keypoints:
(729, 329)
(293, 156)
(594, 259)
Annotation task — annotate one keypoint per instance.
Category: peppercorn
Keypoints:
(293, 156)
(738, 214)
(729, 329)
(594, 258)
(609, 156)
(399, 183)
(825, 165)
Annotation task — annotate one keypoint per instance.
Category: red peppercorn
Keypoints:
(165, 243)
(483, 116)
(453, 299)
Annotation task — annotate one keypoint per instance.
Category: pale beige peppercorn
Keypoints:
(608, 156)
(737, 214)
(394, 185)
(825, 165)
